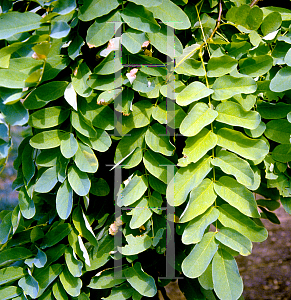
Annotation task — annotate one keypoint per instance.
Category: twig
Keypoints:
(218, 20)
(254, 2)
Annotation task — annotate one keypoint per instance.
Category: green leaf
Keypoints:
(45, 276)
(82, 225)
(200, 257)
(140, 116)
(218, 66)
(160, 40)
(29, 286)
(103, 29)
(255, 133)
(48, 139)
(198, 117)
(226, 279)
(63, 7)
(105, 82)
(59, 292)
(44, 94)
(172, 89)
(85, 159)
(122, 292)
(106, 279)
(100, 255)
(164, 115)
(186, 179)
(287, 58)
(111, 64)
(278, 131)
(193, 92)
(11, 255)
(14, 79)
(155, 202)
(157, 139)
(133, 191)
(271, 23)
(129, 143)
(14, 114)
(69, 146)
(135, 245)
(194, 231)
(273, 111)
(48, 117)
(79, 81)
(11, 274)
(99, 187)
(64, 200)
(234, 165)
(149, 3)
(59, 29)
(141, 281)
(282, 153)
(197, 146)
(9, 292)
(101, 143)
(238, 143)
(233, 114)
(256, 65)
(71, 284)
(282, 80)
(231, 217)
(138, 17)
(79, 181)
(140, 214)
(237, 195)
(201, 198)
(39, 260)
(55, 235)
(132, 40)
(237, 49)
(227, 86)
(26, 204)
(15, 22)
(48, 157)
(171, 14)
(73, 264)
(96, 8)
(190, 67)
(100, 116)
(157, 165)
(5, 228)
(205, 279)
(82, 125)
(47, 181)
(234, 240)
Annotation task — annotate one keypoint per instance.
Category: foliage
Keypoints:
(162, 137)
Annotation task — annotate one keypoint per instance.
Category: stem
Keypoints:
(163, 291)
(254, 2)
(218, 21)
(201, 27)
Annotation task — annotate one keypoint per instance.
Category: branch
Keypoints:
(254, 2)
(218, 20)
(163, 291)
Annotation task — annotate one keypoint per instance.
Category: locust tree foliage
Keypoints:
(139, 107)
